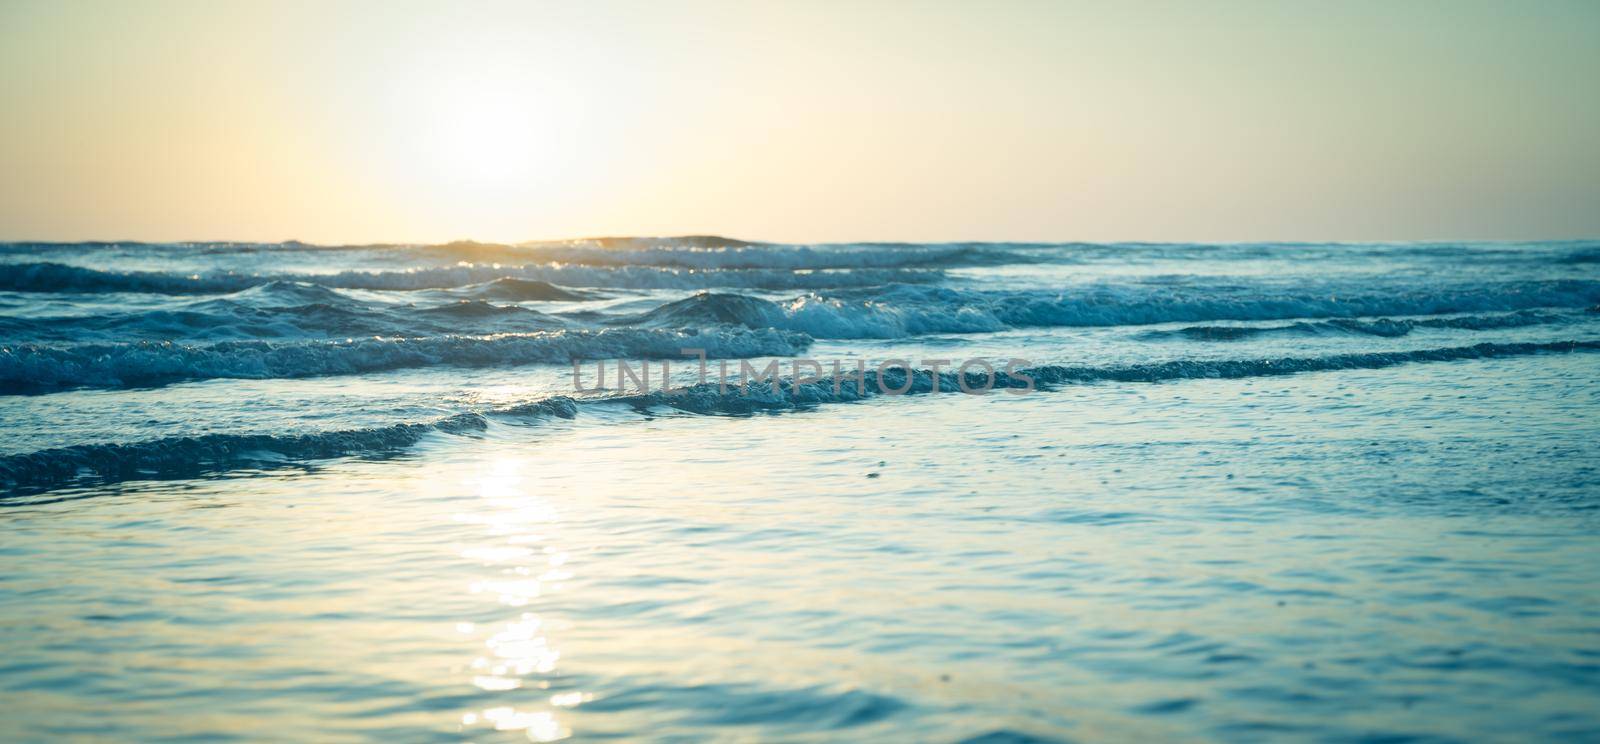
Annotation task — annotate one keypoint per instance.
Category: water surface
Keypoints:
(1272, 492)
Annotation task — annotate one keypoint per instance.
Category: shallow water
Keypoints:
(1191, 534)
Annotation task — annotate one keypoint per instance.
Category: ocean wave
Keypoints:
(56, 277)
(896, 311)
(822, 317)
(203, 246)
(1586, 255)
(782, 256)
(177, 457)
(716, 252)
(1381, 327)
(522, 290)
(28, 368)
(625, 242)
(713, 251)
(188, 456)
(475, 309)
(287, 293)
(712, 398)
(281, 310)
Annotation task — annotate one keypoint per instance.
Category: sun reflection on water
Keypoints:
(521, 566)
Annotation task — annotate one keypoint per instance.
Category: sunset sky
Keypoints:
(814, 121)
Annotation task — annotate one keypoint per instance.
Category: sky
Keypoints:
(357, 122)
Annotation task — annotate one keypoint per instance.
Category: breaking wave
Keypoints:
(176, 457)
(26, 368)
(903, 310)
(183, 456)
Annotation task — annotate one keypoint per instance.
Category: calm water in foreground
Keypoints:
(1271, 497)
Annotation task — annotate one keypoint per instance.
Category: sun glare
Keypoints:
(480, 130)
(479, 136)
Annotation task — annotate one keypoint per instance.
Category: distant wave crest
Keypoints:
(56, 277)
(794, 257)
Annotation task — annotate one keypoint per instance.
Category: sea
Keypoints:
(705, 489)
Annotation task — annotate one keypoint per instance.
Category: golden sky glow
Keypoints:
(363, 122)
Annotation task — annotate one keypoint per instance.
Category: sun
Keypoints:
(482, 129)
(480, 141)
(477, 137)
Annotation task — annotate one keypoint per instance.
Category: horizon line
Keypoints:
(731, 242)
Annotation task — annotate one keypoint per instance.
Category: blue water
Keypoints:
(1257, 492)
